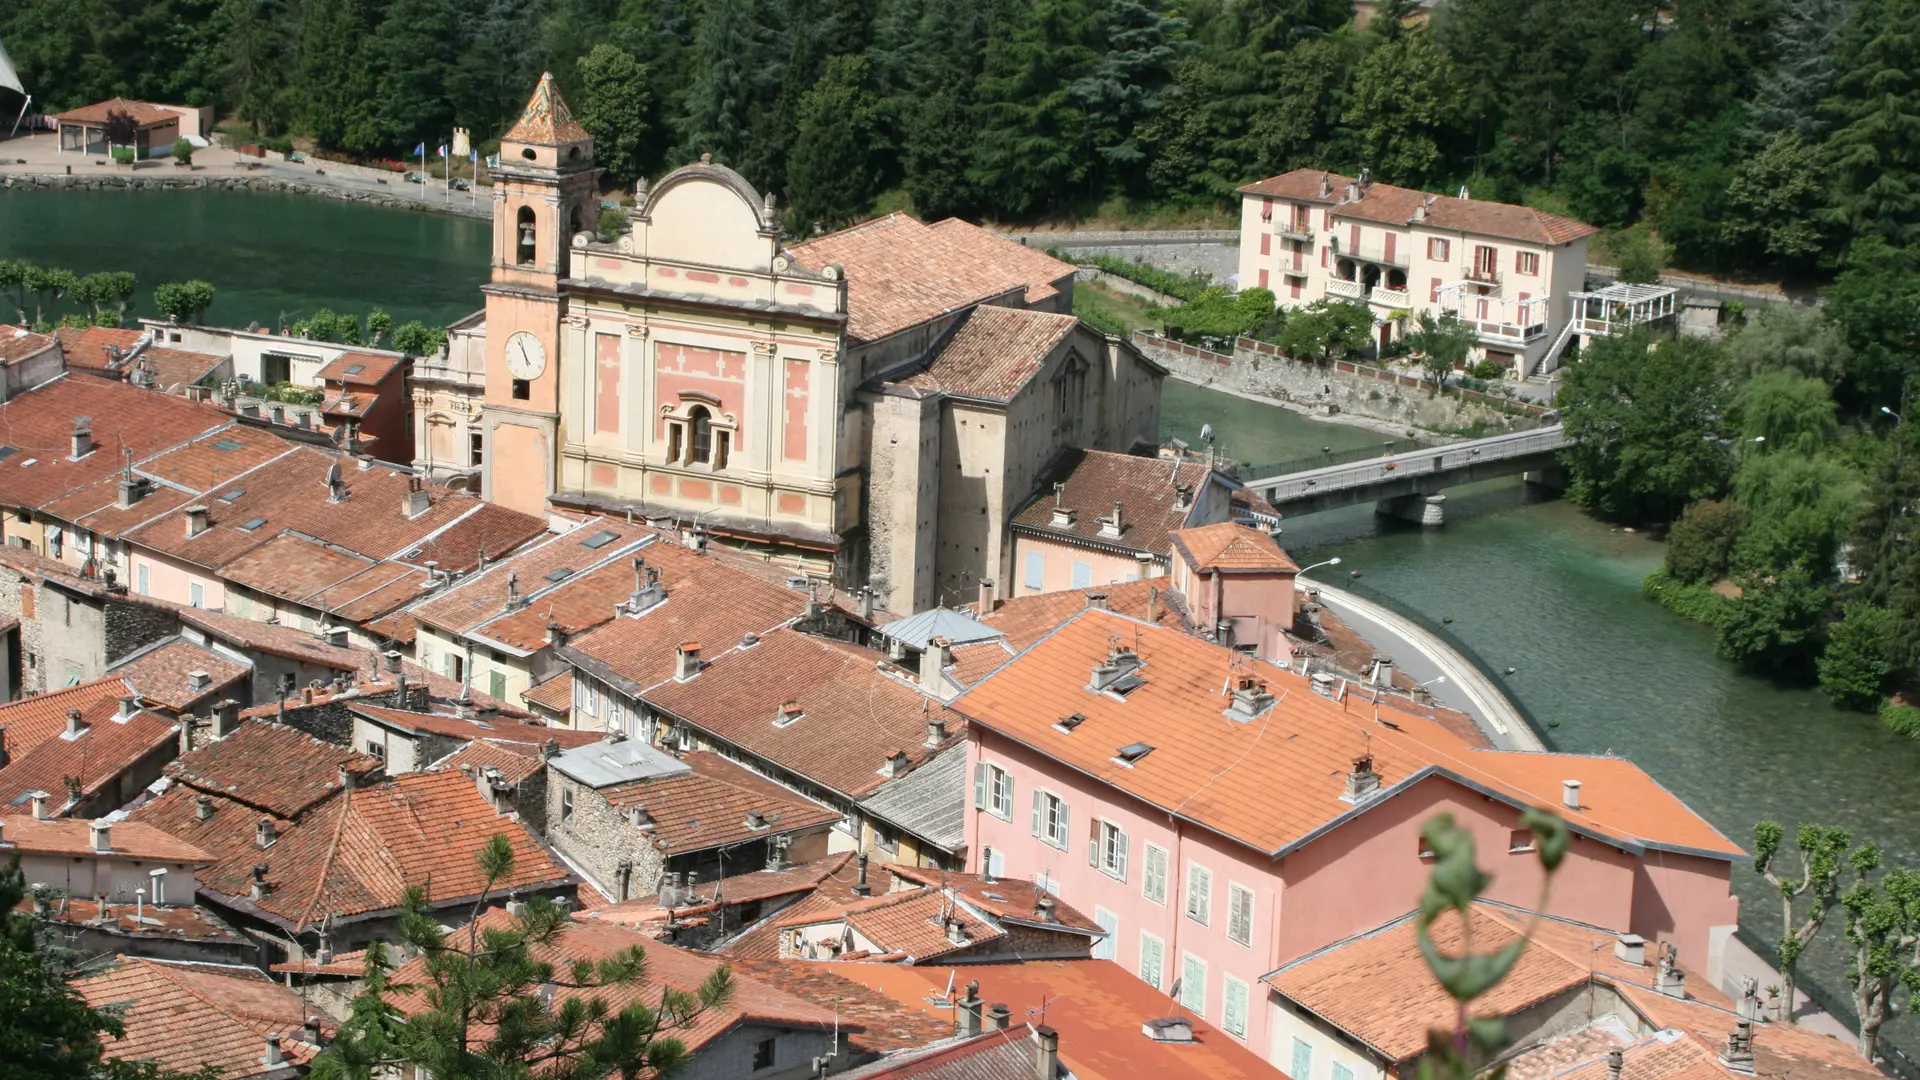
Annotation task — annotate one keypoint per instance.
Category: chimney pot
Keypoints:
(263, 832)
(273, 1050)
(196, 680)
(226, 718)
(1630, 949)
(102, 833)
(936, 732)
(686, 660)
(897, 763)
(1615, 1059)
(860, 886)
(392, 657)
(1570, 794)
(1046, 1063)
(336, 636)
(966, 1021)
(1097, 600)
(986, 596)
(75, 725)
(202, 807)
(998, 1016)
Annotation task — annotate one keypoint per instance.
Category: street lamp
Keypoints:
(1897, 418)
(1335, 561)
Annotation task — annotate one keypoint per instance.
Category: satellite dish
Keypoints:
(1206, 432)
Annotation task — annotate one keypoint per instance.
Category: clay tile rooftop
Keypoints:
(72, 837)
(185, 1016)
(1197, 704)
(529, 577)
(270, 768)
(1392, 205)
(1230, 546)
(37, 463)
(178, 675)
(1092, 481)
(718, 803)
(994, 353)
(83, 764)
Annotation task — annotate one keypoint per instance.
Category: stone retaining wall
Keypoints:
(1212, 251)
(1126, 286)
(1260, 369)
(158, 181)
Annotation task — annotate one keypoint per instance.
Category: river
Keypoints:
(1529, 583)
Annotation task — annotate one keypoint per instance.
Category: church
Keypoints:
(876, 402)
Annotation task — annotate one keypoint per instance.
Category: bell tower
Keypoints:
(546, 189)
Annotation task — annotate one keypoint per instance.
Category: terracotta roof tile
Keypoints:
(909, 922)
(499, 728)
(489, 531)
(834, 879)
(163, 674)
(1094, 480)
(33, 720)
(1392, 205)
(142, 920)
(708, 808)
(901, 272)
(39, 426)
(1229, 546)
(144, 114)
(71, 836)
(546, 119)
(294, 567)
(888, 1027)
(359, 368)
(994, 353)
(183, 1016)
(352, 964)
(173, 369)
(536, 573)
(990, 1055)
(555, 695)
(274, 639)
(372, 592)
(90, 347)
(270, 767)
(108, 746)
(515, 760)
(1289, 763)
(19, 343)
(852, 715)
(1002, 898)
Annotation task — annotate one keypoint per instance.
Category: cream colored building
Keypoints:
(831, 400)
(1510, 272)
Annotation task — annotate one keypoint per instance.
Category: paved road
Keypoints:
(1428, 659)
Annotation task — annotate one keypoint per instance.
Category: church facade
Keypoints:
(874, 403)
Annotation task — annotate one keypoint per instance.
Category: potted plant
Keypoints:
(182, 153)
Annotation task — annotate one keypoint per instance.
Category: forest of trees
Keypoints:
(1747, 134)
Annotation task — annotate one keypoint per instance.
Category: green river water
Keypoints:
(1529, 583)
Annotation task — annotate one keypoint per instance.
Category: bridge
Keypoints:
(1409, 484)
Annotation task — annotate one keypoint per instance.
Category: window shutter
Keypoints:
(980, 785)
(1038, 810)
(1093, 842)
(1065, 832)
(1120, 845)
(1005, 808)
(1302, 1060)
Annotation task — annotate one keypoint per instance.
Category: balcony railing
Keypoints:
(1298, 234)
(1393, 298)
(1352, 290)
(1485, 275)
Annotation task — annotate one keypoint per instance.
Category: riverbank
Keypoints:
(1364, 423)
(187, 181)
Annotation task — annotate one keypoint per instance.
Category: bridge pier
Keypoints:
(1553, 476)
(1425, 510)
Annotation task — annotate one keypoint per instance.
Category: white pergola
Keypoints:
(1621, 306)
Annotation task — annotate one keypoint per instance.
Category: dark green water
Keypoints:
(268, 256)
(1532, 584)
(1539, 586)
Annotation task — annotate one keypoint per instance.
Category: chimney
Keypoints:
(1153, 603)
(934, 662)
(686, 660)
(263, 834)
(550, 749)
(336, 636)
(102, 833)
(956, 932)
(1043, 909)
(646, 587)
(392, 657)
(202, 807)
(130, 704)
(1382, 673)
(1362, 781)
(1570, 794)
(513, 591)
(336, 487)
(860, 886)
(1630, 949)
(986, 866)
(1046, 1060)
(516, 907)
(1097, 600)
(273, 1051)
(1182, 497)
(346, 778)
(416, 501)
(260, 887)
(310, 1031)
(1119, 662)
(986, 596)
(556, 635)
(1738, 1053)
(1616, 1057)
(1670, 980)
(74, 724)
(863, 603)
(998, 1016)
(1112, 527)
(131, 490)
(196, 521)
(966, 1019)
(184, 743)
(83, 443)
(1250, 697)
(756, 820)
(936, 733)
(896, 765)
(226, 718)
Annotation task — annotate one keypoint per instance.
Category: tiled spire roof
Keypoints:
(546, 120)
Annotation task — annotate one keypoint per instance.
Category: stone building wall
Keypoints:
(598, 838)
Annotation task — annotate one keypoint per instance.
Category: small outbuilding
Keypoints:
(84, 131)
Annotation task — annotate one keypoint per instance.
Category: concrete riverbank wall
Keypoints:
(187, 181)
(1261, 370)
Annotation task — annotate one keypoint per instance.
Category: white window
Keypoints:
(1233, 1014)
(1153, 880)
(1302, 1058)
(566, 806)
(1199, 893)
(1153, 960)
(593, 699)
(993, 790)
(1050, 819)
(1104, 948)
(144, 586)
(1036, 571)
(1107, 849)
(1082, 575)
(1341, 1072)
(996, 862)
(1240, 914)
(1193, 984)
(195, 596)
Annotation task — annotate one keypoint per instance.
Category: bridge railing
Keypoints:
(1281, 488)
(1251, 473)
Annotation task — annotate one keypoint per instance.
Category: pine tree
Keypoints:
(1875, 108)
(1031, 151)
(328, 65)
(254, 58)
(1803, 43)
(1405, 98)
(733, 54)
(1128, 77)
(1886, 545)
(414, 50)
(831, 175)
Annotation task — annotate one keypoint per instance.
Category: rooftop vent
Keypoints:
(1169, 1029)
(788, 714)
(896, 765)
(202, 807)
(264, 833)
(83, 443)
(1362, 781)
(600, 539)
(1570, 794)
(1068, 723)
(416, 501)
(559, 575)
(196, 521)
(1250, 697)
(1630, 949)
(101, 832)
(1132, 752)
(1062, 518)
(75, 725)
(224, 444)
(686, 658)
(1113, 525)
(198, 680)
(232, 496)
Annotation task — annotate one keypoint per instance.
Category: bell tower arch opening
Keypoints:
(528, 237)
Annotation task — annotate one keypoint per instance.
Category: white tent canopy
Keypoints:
(9, 77)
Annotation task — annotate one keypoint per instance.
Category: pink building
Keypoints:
(1220, 818)
(1238, 585)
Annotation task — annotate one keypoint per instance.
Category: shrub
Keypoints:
(613, 222)
(1700, 546)
(183, 151)
(1697, 602)
(123, 155)
(1901, 719)
(1187, 287)
(1487, 370)
(1855, 665)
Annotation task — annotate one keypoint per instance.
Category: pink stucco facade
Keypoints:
(1044, 566)
(1351, 879)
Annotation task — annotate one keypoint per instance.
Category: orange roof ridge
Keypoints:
(326, 867)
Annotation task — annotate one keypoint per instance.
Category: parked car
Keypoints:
(461, 185)
(416, 178)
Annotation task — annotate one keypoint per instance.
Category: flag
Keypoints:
(443, 151)
(421, 150)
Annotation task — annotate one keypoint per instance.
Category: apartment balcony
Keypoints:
(1620, 307)
(1481, 275)
(1350, 290)
(1299, 235)
(1390, 298)
(1496, 321)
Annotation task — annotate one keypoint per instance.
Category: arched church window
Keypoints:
(523, 251)
(702, 435)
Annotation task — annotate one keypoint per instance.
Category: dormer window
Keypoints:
(1132, 753)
